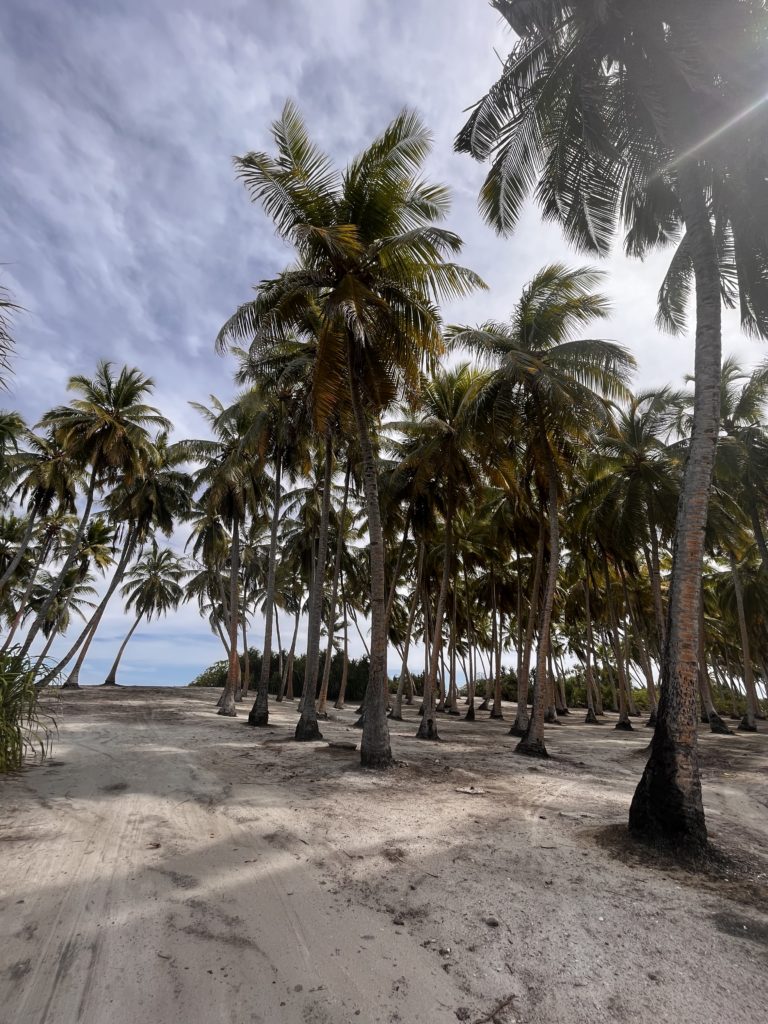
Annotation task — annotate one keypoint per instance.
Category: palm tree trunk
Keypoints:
(23, 545)
(613, 632)
(520, 725)
(68, 561)
(17, 619)
(245, 677)
(667, 806)
(749, 721)
(111, 679)
(259, 713)
(591, 718)
(307, 728)
(84, 640)
(375, 750)
(428, 726)
(228, 707)
(287, 676)
(334, 596)
(397, 712)
(532, 744)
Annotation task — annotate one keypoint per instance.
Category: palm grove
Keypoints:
(484, 490)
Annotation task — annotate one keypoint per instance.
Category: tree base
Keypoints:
(497, 715)
(420, 712)
(307, 730)
(531, 748)
(378, 760)
(396, 716)
(228, 712)
(470, 715)
(651, 723)
(258, 719)
(427, 729)
(483, 706)
(562, 712)
(107, 682)
(744, 726)
(360, 722)
(717, 725)
(591, 718)
(70, 685)
(624, 727)
(339, 707)
(454, 711)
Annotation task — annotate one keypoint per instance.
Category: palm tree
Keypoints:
(7, 309)
(649, 115)
(555, 385)
(106, 430)
(153, 588)
(231, 482)
(373, 262)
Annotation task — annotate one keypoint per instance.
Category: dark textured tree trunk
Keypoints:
(520, 725)
(667, 806)
(258, 716)
(227, 706)
(532, 744)
(111, 679)
(307, 728)
(428, 726)
(591, 718)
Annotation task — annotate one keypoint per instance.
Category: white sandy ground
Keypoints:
(170, 866)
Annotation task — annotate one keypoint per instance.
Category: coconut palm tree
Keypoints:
(557, 386)
(373, 261)
(105, 430)
(153, 588)
(648, 116)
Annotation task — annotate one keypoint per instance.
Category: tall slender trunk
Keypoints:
(667, 806)
(111, 679)
(334, 596)
(749, 721)
(716, 724)
(259, 713)
(375, 750)
(307, 728)
(23, 545)
(68, 562)
(613, 632)
(397, 712)
(520, 725)
(398, 563)
(287, 676)
(532, 743)
(428, 726)
(591, 718)
(228, 698)
(245, 679)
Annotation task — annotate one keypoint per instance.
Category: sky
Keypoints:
(125, 236)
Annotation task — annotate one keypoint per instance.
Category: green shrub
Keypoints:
(26, 725)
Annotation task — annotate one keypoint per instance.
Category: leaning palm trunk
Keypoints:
(532, 743)
(749, 721)
(520, 724)
(428, 726)
(84, 640)
(68, 562)
(307, 727)
(23, 545)
(111, 679)
(375, 750)
(339, 703)
(334, 597)
(19, 616)
(227, 706)
(667, 806)
(259, 714)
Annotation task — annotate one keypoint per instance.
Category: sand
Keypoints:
(169, 865)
